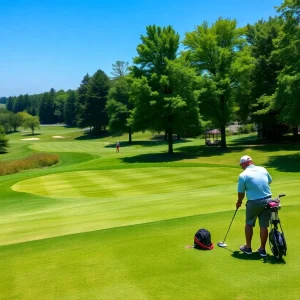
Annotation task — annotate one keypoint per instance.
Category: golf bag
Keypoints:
(276, 238)
(277, 243)
(202, 240)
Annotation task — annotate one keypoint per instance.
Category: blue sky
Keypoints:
(47, 44)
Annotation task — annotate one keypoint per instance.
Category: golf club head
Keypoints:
(221, 244)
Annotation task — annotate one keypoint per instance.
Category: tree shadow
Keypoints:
(146, 143)
(255, 256)
(265, 145)
(30, 134)
(157, 158)
(202, 151)
(285, 163)
(87, 135)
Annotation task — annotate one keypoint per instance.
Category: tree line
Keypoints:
(225, 73)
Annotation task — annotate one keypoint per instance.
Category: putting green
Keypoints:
(125, 183)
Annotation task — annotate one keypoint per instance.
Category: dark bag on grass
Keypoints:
(202, 240)
(278, 242)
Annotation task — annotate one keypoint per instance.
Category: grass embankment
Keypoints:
(107, 225)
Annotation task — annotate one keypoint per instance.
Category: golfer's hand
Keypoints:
(238, 204)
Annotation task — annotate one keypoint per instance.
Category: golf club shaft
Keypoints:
(230, 224)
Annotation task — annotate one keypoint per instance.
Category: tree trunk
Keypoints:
(223, 137)
(129, 135)
(295, 132)
(166, 135)
(170, 141)
(223, 123)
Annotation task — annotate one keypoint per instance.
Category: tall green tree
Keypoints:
(10, 103)
(47, 108)
(118, 107)
(221, 56)
(81, 103)
(94, 112)
(287, 52)
(59, 106)
(70, 108)
(261, 37)
(150, 90)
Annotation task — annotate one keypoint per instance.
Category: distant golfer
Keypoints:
(117, 147)
(254, 181)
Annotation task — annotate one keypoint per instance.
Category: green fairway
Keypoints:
(107, 225)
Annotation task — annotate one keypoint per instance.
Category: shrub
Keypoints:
(3, 140)
(34, 161)
(248, 128)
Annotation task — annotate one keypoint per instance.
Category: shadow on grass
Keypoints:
(147, 143)
(286, 144)
(30, 134)
(181, 153)
(202, 151)
(157, 158)
(87, 135)
(285, 163)
(255, 256)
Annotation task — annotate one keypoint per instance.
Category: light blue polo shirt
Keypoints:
(254, 181)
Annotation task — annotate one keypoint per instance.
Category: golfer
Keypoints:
(254, 182)
(117, 147)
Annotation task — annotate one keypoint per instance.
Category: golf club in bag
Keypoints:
(276, 238)
(222, 244)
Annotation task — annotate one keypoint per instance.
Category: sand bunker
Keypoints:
(30, 139)
(58, 137)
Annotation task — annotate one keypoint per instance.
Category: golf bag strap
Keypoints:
(204, 246)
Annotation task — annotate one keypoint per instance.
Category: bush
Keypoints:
(34, 161)
(3, 140)
(248, 128)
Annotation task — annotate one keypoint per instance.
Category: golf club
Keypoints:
(222, 244)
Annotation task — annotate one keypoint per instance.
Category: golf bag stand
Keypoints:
(276, 236)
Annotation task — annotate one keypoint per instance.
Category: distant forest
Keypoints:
(225, 74)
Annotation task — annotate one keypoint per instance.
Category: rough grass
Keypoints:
(107, 225)
(34, 161)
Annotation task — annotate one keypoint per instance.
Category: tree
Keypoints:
(263, 81)
(220, 55)
(150, 91)
(15, 120)
(60, 99)
(5, 121)
(3, 140)
(94, 113)
(47, 108)
(287, 94)
(81, 103)
(10, 104)
(120, 68)
(31, 122)
(118, 107)
(70, 108)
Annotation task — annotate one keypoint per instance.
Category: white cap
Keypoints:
(245, 158)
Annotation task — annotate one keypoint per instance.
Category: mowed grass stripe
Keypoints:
(141, 181)
(95, 200)
(151, 258)
(76, 146)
